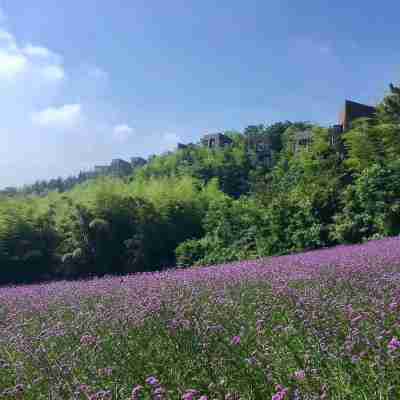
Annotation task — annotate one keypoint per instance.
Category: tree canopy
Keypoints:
(255, 198)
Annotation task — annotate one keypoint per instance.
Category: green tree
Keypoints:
(388, 111)
(370, 206)
(27, 241)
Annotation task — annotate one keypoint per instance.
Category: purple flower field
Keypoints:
(318, 325)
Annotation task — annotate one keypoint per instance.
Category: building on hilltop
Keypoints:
(216, 140)
(351, 111)
(119, 167)
(101, 169)
(302, 140)
(137, 162)
(261, 146)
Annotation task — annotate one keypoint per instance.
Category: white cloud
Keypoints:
(53, 72)
(122, 132)
(42, 55)
(12, 65)
(34, 99)
(65, 116)
(37, 62)
(7, 40)
(37, 51)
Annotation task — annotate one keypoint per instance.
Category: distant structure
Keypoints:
(216, 140)
(137, 162)
(262, 147)
(120, 167)
(101, 169)
(302, 140)
(351, 111)
(181, 146)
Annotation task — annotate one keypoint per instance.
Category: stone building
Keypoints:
(101, 169)
(261, 146)
(216, 140)
(351, 111)
(120, 167)
(302, 140)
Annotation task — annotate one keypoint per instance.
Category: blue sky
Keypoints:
(82, 82)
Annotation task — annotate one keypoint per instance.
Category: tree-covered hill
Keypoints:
(258, 196)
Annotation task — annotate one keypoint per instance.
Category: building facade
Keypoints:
(216, 140)
(261, 147)
(351, 111)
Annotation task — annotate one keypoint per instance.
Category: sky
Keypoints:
(83, 82)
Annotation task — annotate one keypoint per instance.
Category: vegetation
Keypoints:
(317, 325)
(204, 206)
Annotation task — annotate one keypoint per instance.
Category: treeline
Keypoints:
(207, 206)
(44, 187)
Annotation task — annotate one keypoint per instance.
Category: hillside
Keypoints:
(269, 190)
(322, 324)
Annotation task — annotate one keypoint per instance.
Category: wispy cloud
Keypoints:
(35, 99)
(19, 62)
(27, 62)
(65, 116)
(122, 132)
(41, 52)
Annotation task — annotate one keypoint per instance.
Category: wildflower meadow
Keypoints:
(318, 325)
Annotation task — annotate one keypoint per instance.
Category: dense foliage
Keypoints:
(198, 205)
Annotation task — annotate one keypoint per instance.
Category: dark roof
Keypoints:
(353, 110)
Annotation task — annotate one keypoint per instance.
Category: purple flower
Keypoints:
(236, 340)
(152, 381)
(394, 344)
(88, 340)
(251, 360)
(190, 394)
(300, 375)
(281, 394)
(136, 392)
